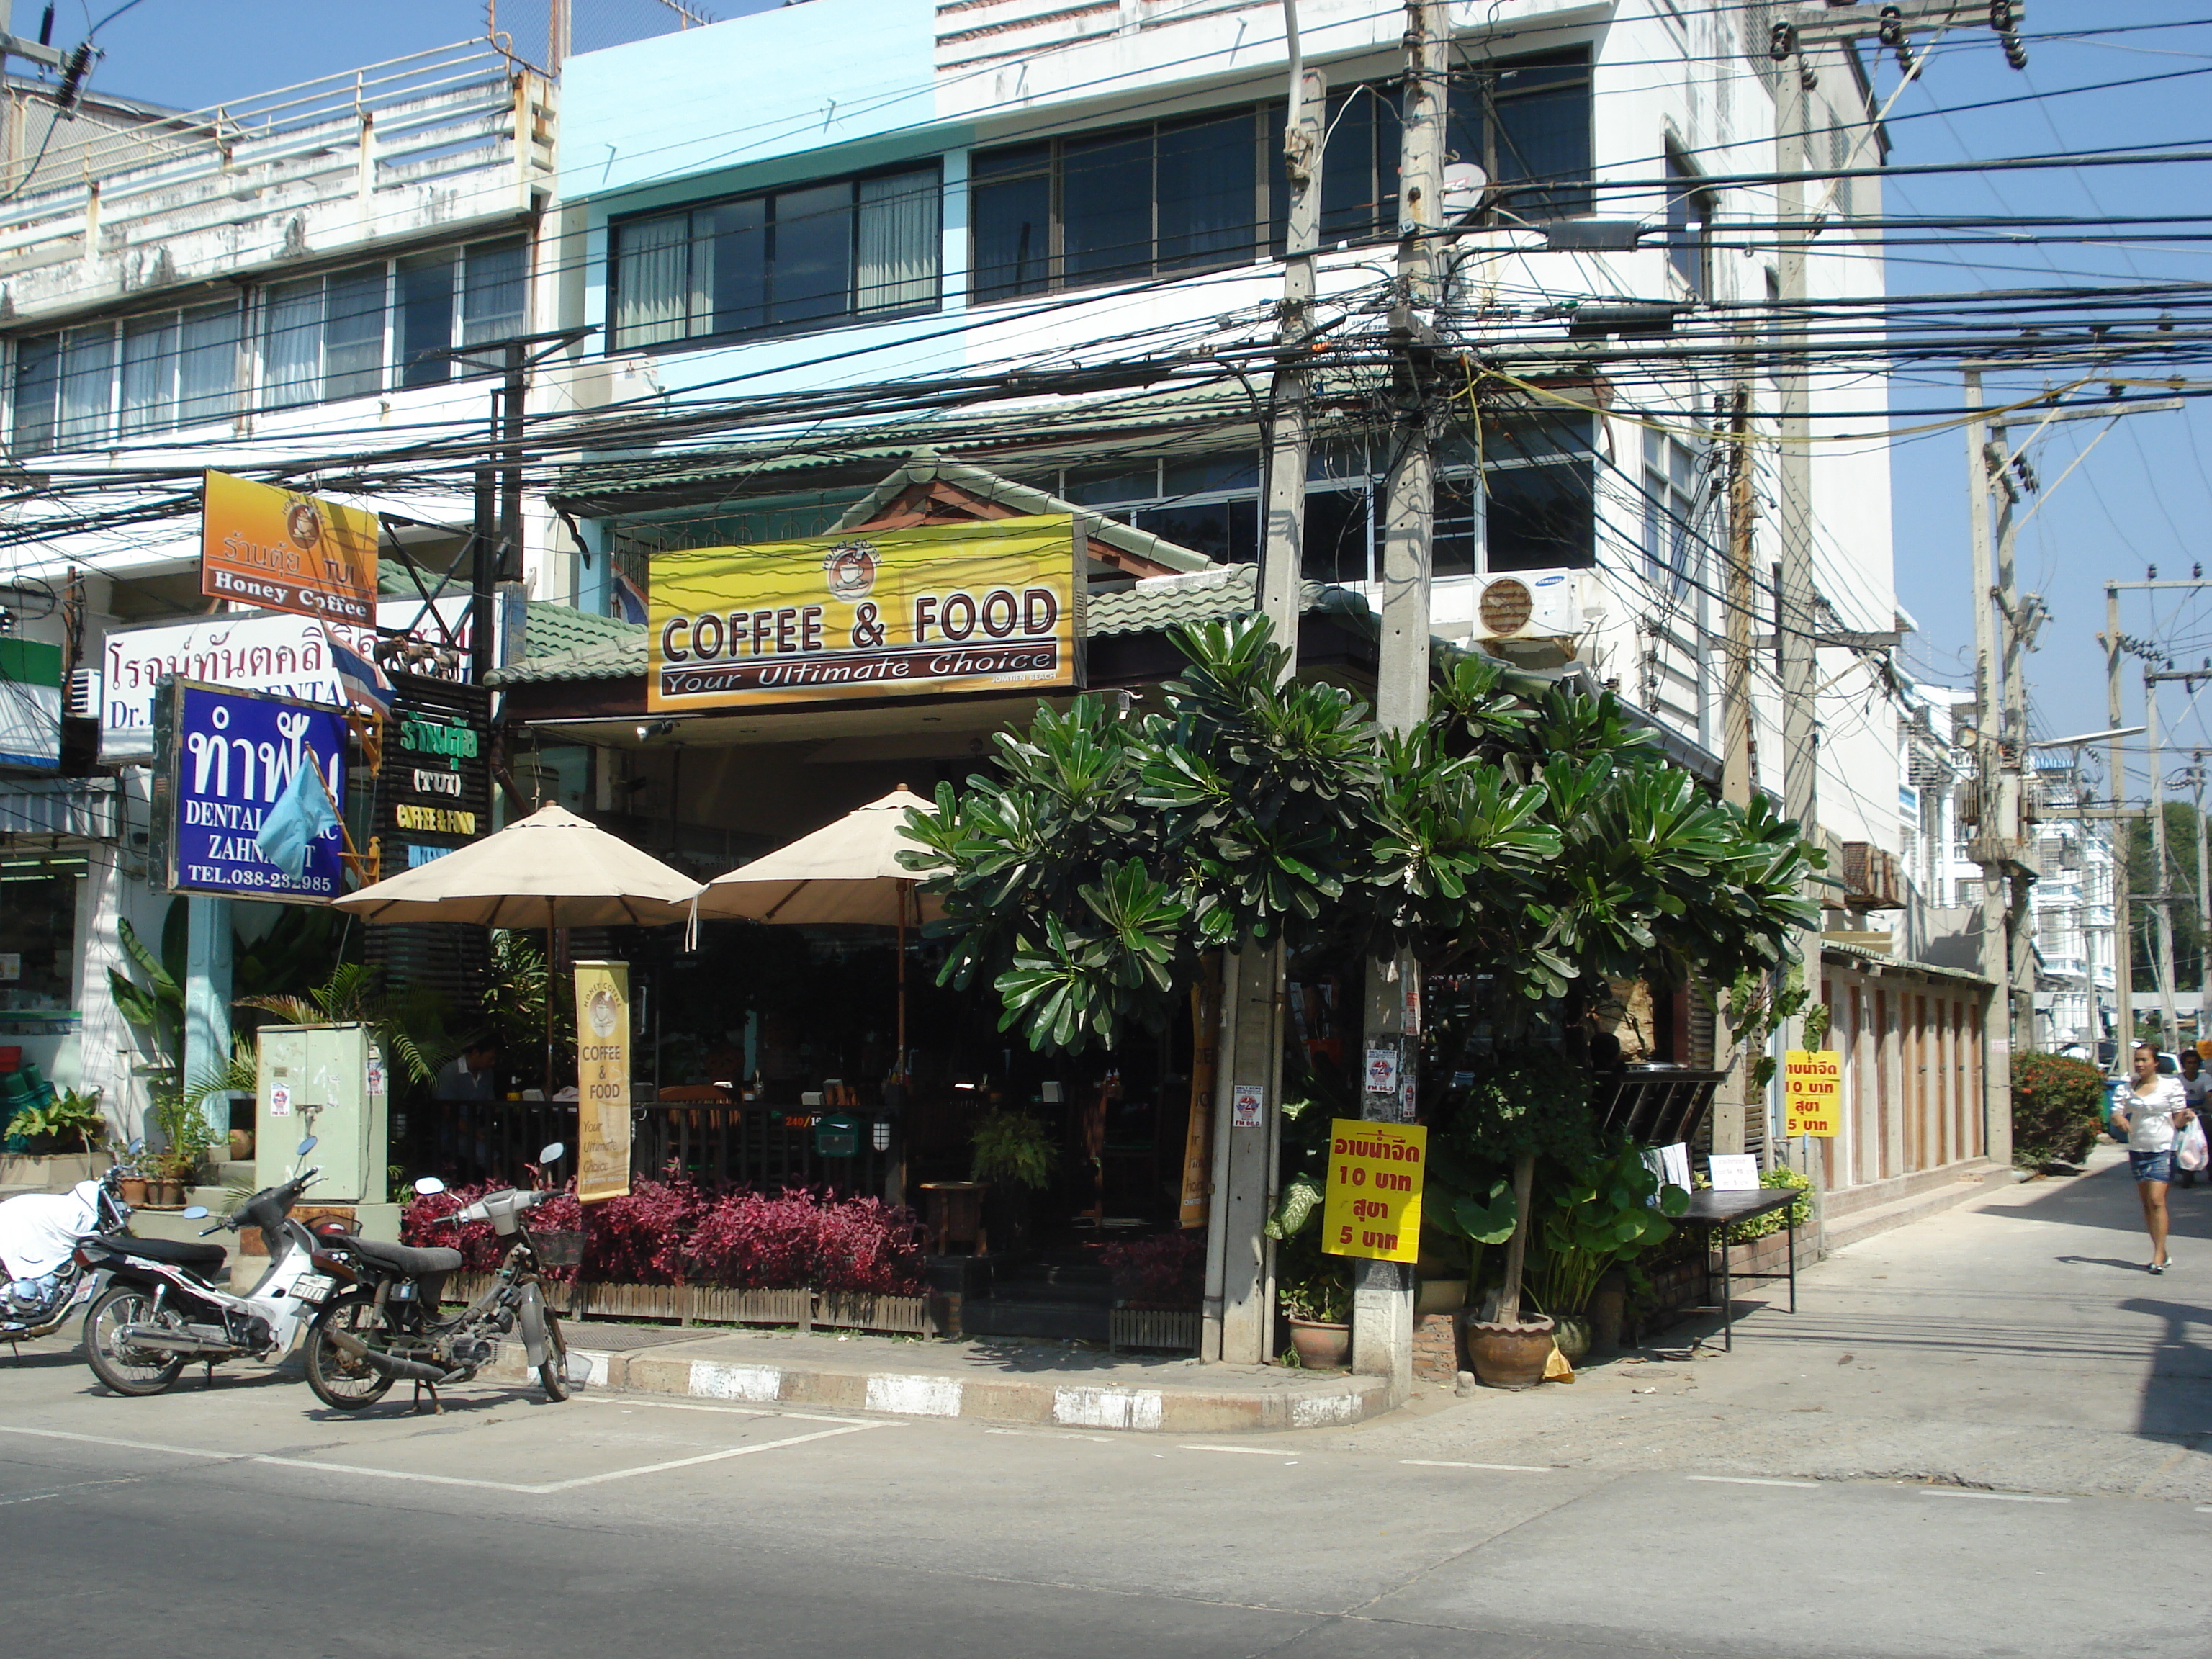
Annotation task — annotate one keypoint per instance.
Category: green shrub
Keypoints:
(2058, 1108)
(1799, 1214)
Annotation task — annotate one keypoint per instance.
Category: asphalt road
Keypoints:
(243, 1519)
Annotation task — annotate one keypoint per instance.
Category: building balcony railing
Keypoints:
(441, 138)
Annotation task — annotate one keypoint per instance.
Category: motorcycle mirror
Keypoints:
(553, 1153)
(196, 1212)
(429, 1184)
(305, 1146)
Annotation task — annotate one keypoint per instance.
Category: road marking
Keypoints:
(1246, 1451)
(418, 1478)
(75, 1485)
(1509, 1468)
(1990, 1497)
(1753, 1480)
(1048, 1434)
(2205, 1508)
(627, 1401)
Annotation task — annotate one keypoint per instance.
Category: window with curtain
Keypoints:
(1674, 512)
(86, 385)
(863, 246)
(1689, 219)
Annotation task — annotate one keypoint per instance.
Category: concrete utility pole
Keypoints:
(1238, 1318)
(1383, 1298)
(2162, 886)
(2203, 903)
(2123, 970)
(1795, 36)
(1737, 781)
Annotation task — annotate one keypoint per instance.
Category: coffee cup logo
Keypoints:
(850, 568)
(603, 1012)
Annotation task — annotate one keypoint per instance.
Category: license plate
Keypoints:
(311, 1287)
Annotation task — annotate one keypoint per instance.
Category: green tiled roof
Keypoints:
(553, 629)
(1151, 606)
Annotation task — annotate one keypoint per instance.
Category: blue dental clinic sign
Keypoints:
(232, 756)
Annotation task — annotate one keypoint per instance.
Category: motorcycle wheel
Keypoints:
(123, 1368)
(554, 1373)
(341, 1381)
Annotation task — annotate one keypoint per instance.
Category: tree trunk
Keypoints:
(1516, 1249)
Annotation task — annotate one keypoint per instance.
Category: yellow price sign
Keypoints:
(1373, 1207)
(1811, 1092)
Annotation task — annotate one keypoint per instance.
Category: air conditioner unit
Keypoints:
(1530, 617)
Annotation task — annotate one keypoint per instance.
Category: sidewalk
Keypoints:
(2014, 1343)
(999, 1380)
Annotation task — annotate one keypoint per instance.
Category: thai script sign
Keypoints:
(231, 757)
(283, 656)
(435, 788)
(932, 608)
(602, 1080)
(1811, 1092)
(282, 549)
(1373, 1206)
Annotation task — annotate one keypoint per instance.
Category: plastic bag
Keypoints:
(2190, 1149)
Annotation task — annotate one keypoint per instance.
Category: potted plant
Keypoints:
(178, 1163)
(1318, 1305)
(1013, 1157)
(69, 1120)
(1605, 1210)
(130, 1174)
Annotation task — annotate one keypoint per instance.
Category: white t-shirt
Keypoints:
(2150, 1117)
(2193, 1089)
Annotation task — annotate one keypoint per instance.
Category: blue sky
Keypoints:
(2143, 496)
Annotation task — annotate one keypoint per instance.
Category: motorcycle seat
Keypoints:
(175, 1252)
(401, 1259)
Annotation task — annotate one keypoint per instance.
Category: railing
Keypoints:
(133, 190)
(767, 1147)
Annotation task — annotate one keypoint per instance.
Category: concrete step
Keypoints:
(1001, 1314)
(1897, 1212)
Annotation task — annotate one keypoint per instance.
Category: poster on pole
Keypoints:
(1376, 1175)
(979, 605)
(602, 1080)
(1811, 1092)
(285, 549)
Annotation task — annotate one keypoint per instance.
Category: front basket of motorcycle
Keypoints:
(559, 1248)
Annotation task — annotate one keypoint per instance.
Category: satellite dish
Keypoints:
(1465, 185)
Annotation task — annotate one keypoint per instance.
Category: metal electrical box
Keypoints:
(328, 1081)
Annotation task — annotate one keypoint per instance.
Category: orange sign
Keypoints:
(284, 550)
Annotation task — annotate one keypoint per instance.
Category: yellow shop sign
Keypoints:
(932, 609)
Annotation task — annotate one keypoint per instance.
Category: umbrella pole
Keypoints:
(899, 1068)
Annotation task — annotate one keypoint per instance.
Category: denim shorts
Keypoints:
(2151, 1166)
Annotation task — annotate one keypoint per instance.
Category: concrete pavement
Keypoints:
(2015, 1342)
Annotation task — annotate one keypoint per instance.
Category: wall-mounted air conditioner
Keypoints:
(1531, 617)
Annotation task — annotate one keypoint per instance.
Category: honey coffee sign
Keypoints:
(283, 549)
(928, 610)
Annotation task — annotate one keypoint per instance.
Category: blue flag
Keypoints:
(302, 812)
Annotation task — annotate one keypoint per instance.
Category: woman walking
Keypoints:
(2151, 1109)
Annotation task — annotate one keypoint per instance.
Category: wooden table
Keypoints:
(1709, 1211)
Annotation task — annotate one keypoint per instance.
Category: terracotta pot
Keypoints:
(1608, 1311)
(1572, 1335)
(167, 1195)
(134, 1191)
(241, 1146)
(1321, 1347)
(1508, 1356)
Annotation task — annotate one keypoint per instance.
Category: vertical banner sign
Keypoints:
(234, 771)
(1811, 1092)
(602, 1080)
(284, 550)
(985, 605)
(1373, 1208)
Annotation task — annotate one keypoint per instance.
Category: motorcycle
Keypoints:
(387, 1329)
(162, 1311)
(73, 1285)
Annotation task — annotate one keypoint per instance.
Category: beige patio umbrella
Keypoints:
(844, 871)
(551, 869)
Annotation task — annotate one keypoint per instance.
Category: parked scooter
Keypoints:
(43, 1277)
(162, 1310)
(387, 1329)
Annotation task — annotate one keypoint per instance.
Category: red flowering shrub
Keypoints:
(780, 1241)
(1166, 1270)
(668, 1232)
